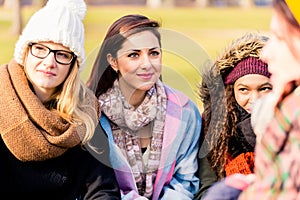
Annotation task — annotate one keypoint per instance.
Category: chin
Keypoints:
(146, 86)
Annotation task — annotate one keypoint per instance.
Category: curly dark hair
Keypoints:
(220, 114)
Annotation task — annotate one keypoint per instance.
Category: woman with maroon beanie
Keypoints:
(275, 118)
(229, 89)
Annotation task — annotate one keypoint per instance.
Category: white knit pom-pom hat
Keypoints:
(60, 21)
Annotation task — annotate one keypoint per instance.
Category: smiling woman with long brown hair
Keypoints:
(153, 130)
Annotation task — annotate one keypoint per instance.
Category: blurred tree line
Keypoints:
(16, 5)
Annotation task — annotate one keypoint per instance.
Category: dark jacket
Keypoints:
(74, 175)
(206, 175)
(242, 143)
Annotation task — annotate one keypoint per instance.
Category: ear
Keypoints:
(112, 61)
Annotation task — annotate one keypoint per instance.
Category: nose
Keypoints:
(254, 96)
(146, 62)
(50, 60)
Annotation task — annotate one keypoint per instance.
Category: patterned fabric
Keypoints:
(175, 178)
(277, 161)
(126, 121)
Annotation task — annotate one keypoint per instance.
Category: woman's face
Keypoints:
(45, 74)
(249, 88)
(138, 62)
(281, 53)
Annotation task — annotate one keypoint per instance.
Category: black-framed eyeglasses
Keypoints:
(42, 51)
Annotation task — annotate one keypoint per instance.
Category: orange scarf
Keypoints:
(243, 163)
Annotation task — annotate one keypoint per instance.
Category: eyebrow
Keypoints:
(138, 50)
(53, 48)
(267, 84)
(261, 85)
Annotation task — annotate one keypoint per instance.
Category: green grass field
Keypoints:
(191, 36)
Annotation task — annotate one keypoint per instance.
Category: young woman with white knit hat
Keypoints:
(47, 114)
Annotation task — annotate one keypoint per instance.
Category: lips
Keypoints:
(47, 73)
(146, 76)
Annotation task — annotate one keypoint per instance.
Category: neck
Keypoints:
(136, 98)
(133, 96)
(43, 94)
(145, 134)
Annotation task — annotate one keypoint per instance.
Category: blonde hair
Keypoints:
(75, 105)
(74, 102)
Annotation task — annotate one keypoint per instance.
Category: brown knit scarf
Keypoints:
(30, 131)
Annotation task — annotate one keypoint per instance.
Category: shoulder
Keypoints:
(91, 156)
(3, 68)
(177, 97)
(180, 106)
(92, 100)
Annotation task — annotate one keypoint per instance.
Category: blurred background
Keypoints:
(194, 32)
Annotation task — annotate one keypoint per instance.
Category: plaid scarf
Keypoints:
(126, 122)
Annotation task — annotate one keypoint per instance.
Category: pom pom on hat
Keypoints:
(294, 6)
(60, 21)
(78, 7)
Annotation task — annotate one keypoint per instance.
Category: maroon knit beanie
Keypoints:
(249, 65)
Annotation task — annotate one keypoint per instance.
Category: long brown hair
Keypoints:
(289, 25)
(282, 7)
(102, 75)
